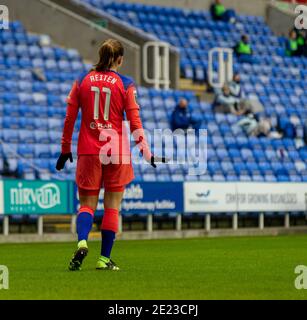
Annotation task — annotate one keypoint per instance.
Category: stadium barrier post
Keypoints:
(235, 221)
(179, 222)
(40, 225)
(287, 220)
(208, 222)
(159, 63)
(149, 223)
(261, 221)
(73, 224)
(120, 223)
(6, 225)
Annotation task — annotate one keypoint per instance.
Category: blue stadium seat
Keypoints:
(26, 136)
(26, 150)
(10, 136)
(41, 136)
(42, 151)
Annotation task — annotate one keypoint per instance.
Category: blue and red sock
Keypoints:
(84, 222)
(109, 228)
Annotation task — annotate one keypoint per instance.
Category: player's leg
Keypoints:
(115, 177)
(85, 217)
(109, 227)
(88, 178)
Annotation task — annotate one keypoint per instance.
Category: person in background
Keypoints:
(225, 102)
(220, 13)
(249, 124)
(292, 44)
(301, 42)
(253, 126)
(303, 34)
(264, 128)
(287, 127)
(243, 50)
(296, 44)
(235, 87)
(182, 117)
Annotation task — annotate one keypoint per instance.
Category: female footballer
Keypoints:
(104, 160)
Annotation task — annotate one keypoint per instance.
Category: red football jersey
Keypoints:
(104, 98)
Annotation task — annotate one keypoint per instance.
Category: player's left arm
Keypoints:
(70, 119)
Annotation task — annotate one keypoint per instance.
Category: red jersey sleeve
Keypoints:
(135, 122)
(71, 116)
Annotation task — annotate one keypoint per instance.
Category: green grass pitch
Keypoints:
(208, 268)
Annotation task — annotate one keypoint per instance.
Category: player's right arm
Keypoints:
(70, 119)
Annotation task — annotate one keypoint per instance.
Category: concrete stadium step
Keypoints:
(199, 89)
(57, 218)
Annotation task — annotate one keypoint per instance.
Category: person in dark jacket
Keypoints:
(182, 118)
(286, 127)
(220, 13)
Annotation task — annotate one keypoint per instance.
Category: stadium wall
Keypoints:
(254, 7)
(71, 30)
(281, 17)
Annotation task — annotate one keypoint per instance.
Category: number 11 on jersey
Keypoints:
(106, 111)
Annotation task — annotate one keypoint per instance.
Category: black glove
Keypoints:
(62, 160)
(155, 159)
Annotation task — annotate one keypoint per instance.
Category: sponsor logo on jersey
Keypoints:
(96, 125)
